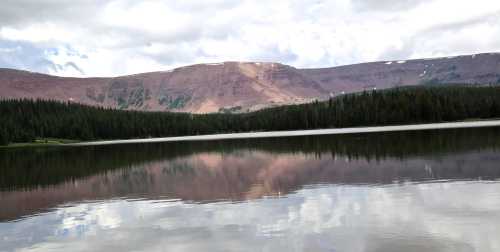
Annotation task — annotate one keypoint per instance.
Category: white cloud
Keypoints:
(414, 217)
(125, 37)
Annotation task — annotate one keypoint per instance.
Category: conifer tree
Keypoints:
(4, 140)
(24, 120)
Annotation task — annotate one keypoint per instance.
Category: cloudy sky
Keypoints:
(116, 37)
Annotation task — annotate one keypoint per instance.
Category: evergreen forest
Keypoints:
(26, 120)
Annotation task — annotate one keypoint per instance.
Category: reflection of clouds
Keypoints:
(244, 175)
(410, 217)
(87, 217)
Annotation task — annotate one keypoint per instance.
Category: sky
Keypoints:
(120, 37)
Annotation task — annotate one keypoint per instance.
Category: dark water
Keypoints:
(414, 191)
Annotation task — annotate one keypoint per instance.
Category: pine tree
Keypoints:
(24, 120)
(4, 140)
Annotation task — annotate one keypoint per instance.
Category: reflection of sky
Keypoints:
(449, 216)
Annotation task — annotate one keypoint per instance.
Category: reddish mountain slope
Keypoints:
(239, 87)
(470, 69)
(198, 88)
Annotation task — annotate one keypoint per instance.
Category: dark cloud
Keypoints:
(82, 16)
(491, 18)
(22, 12)
(111, 35)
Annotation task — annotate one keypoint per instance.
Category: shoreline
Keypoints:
(41, 142)
(315, 132)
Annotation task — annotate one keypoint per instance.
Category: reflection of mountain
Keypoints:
(32, 167)
(241, 170)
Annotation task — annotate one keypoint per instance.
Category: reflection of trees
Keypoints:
(25, 168)
(239, 170)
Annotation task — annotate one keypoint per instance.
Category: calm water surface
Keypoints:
(414, 191)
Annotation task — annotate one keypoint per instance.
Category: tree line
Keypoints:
(27, 168)
(25, 120)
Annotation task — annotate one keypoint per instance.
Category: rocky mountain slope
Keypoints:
(244, 86)
(469, 69)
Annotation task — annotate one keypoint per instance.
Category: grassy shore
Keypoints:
(41, 142)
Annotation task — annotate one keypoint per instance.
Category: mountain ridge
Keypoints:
(244, 86)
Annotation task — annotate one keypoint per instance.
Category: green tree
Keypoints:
(25, 120)
(4, 139)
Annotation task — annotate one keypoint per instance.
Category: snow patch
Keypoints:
(388, 63)
(422, 74)
(473, 55)
(401, 61)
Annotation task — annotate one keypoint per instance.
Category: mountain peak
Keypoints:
(245, 86)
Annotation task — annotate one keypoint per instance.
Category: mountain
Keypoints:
(245, 86)
(198, 88)
(469, 69)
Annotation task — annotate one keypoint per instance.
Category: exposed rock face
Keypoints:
(244, 86)
(230, 86)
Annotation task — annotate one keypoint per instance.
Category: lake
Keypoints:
(436, 190)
